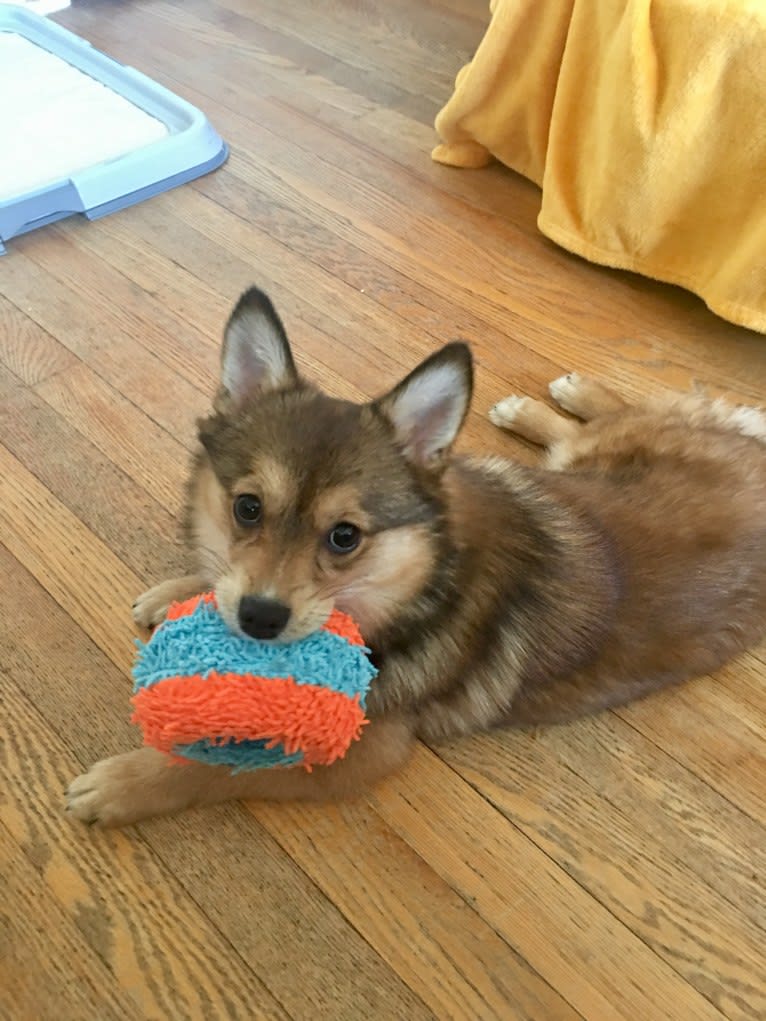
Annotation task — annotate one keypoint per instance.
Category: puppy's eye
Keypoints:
(343, 538)
(248, 510)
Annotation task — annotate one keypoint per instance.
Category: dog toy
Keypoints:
(203, 692)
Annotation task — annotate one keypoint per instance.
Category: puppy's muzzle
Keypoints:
(262, 618)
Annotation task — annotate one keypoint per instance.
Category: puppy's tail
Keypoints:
(701, 412)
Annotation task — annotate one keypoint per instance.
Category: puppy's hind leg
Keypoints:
(584, 397)
(533, 420)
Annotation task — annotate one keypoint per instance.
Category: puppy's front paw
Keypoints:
(124, 789)
(150, 608)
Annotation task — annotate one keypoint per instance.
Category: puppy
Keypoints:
(491, 594)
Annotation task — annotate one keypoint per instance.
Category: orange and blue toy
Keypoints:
(203, 692)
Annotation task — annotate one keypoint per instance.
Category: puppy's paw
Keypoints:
(124, 789)
(566, 389)
(151, 608)
(506, 413)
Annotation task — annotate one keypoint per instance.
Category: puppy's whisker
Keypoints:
(211, 558)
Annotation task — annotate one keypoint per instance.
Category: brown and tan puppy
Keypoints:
(491, 594)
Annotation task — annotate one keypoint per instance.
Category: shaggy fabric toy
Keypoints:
(202, 692)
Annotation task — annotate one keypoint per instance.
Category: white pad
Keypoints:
(40, 6)
(55, 120)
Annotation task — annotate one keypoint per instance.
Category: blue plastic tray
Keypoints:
(190, 149)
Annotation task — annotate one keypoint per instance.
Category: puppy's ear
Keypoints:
(427, 408)
(256, 354)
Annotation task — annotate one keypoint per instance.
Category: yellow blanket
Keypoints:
(644, 121)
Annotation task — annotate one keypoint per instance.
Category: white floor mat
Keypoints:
(40, 6)
(57, 120)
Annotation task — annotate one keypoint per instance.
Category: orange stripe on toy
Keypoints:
(342, 625)
(187, 608)
(307, 718)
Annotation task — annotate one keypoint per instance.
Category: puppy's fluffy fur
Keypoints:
(491, 594)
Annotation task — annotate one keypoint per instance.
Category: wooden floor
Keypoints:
(610, 869)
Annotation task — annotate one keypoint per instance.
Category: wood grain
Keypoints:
(650, 886)
(328, 967)
(527, 895)
(499, 255)
(131, 523)
(28, 350)
(463, 967)
(47, 969)
(127, 437)
(610, 869)
(104, 884)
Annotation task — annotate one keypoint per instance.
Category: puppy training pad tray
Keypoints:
(84, 134)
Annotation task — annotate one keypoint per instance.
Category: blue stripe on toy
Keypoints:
(238, 755)
(201, 643)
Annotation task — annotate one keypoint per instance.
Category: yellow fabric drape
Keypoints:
(644, 122)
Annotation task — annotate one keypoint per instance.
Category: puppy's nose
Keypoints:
(262, 618)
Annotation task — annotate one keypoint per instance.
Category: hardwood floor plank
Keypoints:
(400, 49)
(128, 438)
(47, 970)
(678, 814)
(524, 894)
(131, 315)
(127, 905)
(73, 566)
(131, 523)
(28, 350)
(266, 911)
(129, 360)
(317, 962)
(510, 282)
(451, 958)
(711, 737)
(314, 332)
(369, 357)
(650, 885)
